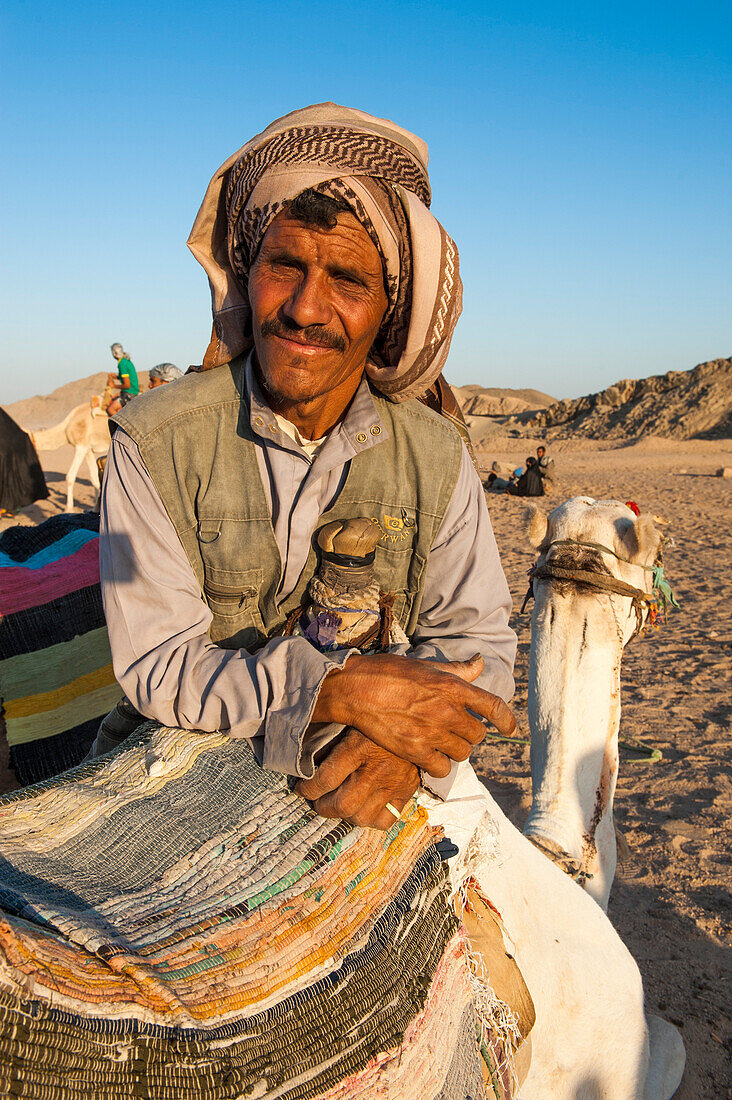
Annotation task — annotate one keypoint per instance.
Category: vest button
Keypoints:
(361, 437)
(273, 427)
(375, 429)
(258, 421)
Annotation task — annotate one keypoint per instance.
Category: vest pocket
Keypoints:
(399, 569)
(228, 599)
(233, 598)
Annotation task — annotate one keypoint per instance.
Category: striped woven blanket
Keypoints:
(176, 923)
(56, 678)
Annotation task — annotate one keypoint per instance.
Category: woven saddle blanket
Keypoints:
(176, 923)
(56, 677)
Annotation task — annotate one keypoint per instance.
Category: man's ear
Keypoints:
(641, 539)
(537, 527)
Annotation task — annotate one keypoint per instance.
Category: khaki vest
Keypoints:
(198, 446)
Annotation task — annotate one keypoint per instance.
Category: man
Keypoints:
(125, 380)
(546, 468)
(163, 374)
(335, 292)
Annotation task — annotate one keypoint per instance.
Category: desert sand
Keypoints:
(671, 899)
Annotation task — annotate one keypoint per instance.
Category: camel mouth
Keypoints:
(576, 559)
(563, 860)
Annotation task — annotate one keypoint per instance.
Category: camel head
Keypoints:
(633, 540)
(592, 585)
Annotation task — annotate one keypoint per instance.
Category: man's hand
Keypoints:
(418, 710)
(356, 780)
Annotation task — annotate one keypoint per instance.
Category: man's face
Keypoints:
(155, 382)
(540, 452)
(317, 299)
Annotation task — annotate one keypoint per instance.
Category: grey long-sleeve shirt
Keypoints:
(158, 620)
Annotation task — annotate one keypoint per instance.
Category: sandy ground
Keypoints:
(671, 900)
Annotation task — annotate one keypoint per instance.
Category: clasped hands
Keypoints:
(402, 714)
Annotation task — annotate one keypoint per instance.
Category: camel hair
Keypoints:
(578, 634)
(86, 428)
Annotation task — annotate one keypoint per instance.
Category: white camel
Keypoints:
(591, 586)
(86, 428)
(591, 1039)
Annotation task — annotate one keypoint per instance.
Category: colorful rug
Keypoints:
(175, 923)
(56, 678)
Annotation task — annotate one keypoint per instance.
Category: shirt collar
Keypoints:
(360, 429)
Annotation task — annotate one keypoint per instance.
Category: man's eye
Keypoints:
(348, 280)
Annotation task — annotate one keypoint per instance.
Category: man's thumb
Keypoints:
(464, 670)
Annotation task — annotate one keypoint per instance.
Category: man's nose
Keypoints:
(308, 304)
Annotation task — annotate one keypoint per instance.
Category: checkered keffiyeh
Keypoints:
(380, 170)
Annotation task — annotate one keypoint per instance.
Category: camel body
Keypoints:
(591, 1039)
(86, 429)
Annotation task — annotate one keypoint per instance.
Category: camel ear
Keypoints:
(641, 539)
(537, 526)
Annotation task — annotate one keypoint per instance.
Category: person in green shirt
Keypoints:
(125, 379)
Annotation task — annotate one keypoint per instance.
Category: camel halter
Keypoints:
(641, 600)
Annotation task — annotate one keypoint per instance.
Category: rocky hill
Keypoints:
(694, 404)
(482, 401)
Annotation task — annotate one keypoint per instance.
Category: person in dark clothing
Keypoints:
(21, 476)
(530, 483)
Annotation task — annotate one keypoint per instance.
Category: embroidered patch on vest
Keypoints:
(394, 528)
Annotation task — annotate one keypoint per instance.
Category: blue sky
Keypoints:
(580, 156)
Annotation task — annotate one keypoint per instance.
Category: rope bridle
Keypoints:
(595, 580)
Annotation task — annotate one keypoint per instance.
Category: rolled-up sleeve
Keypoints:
(158, 621)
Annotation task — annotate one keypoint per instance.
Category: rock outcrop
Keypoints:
(694, 404)
(483, 404)
(482, 401)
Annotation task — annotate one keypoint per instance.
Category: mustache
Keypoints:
(310, 334)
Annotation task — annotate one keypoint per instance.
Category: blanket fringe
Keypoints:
(500, 1036)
